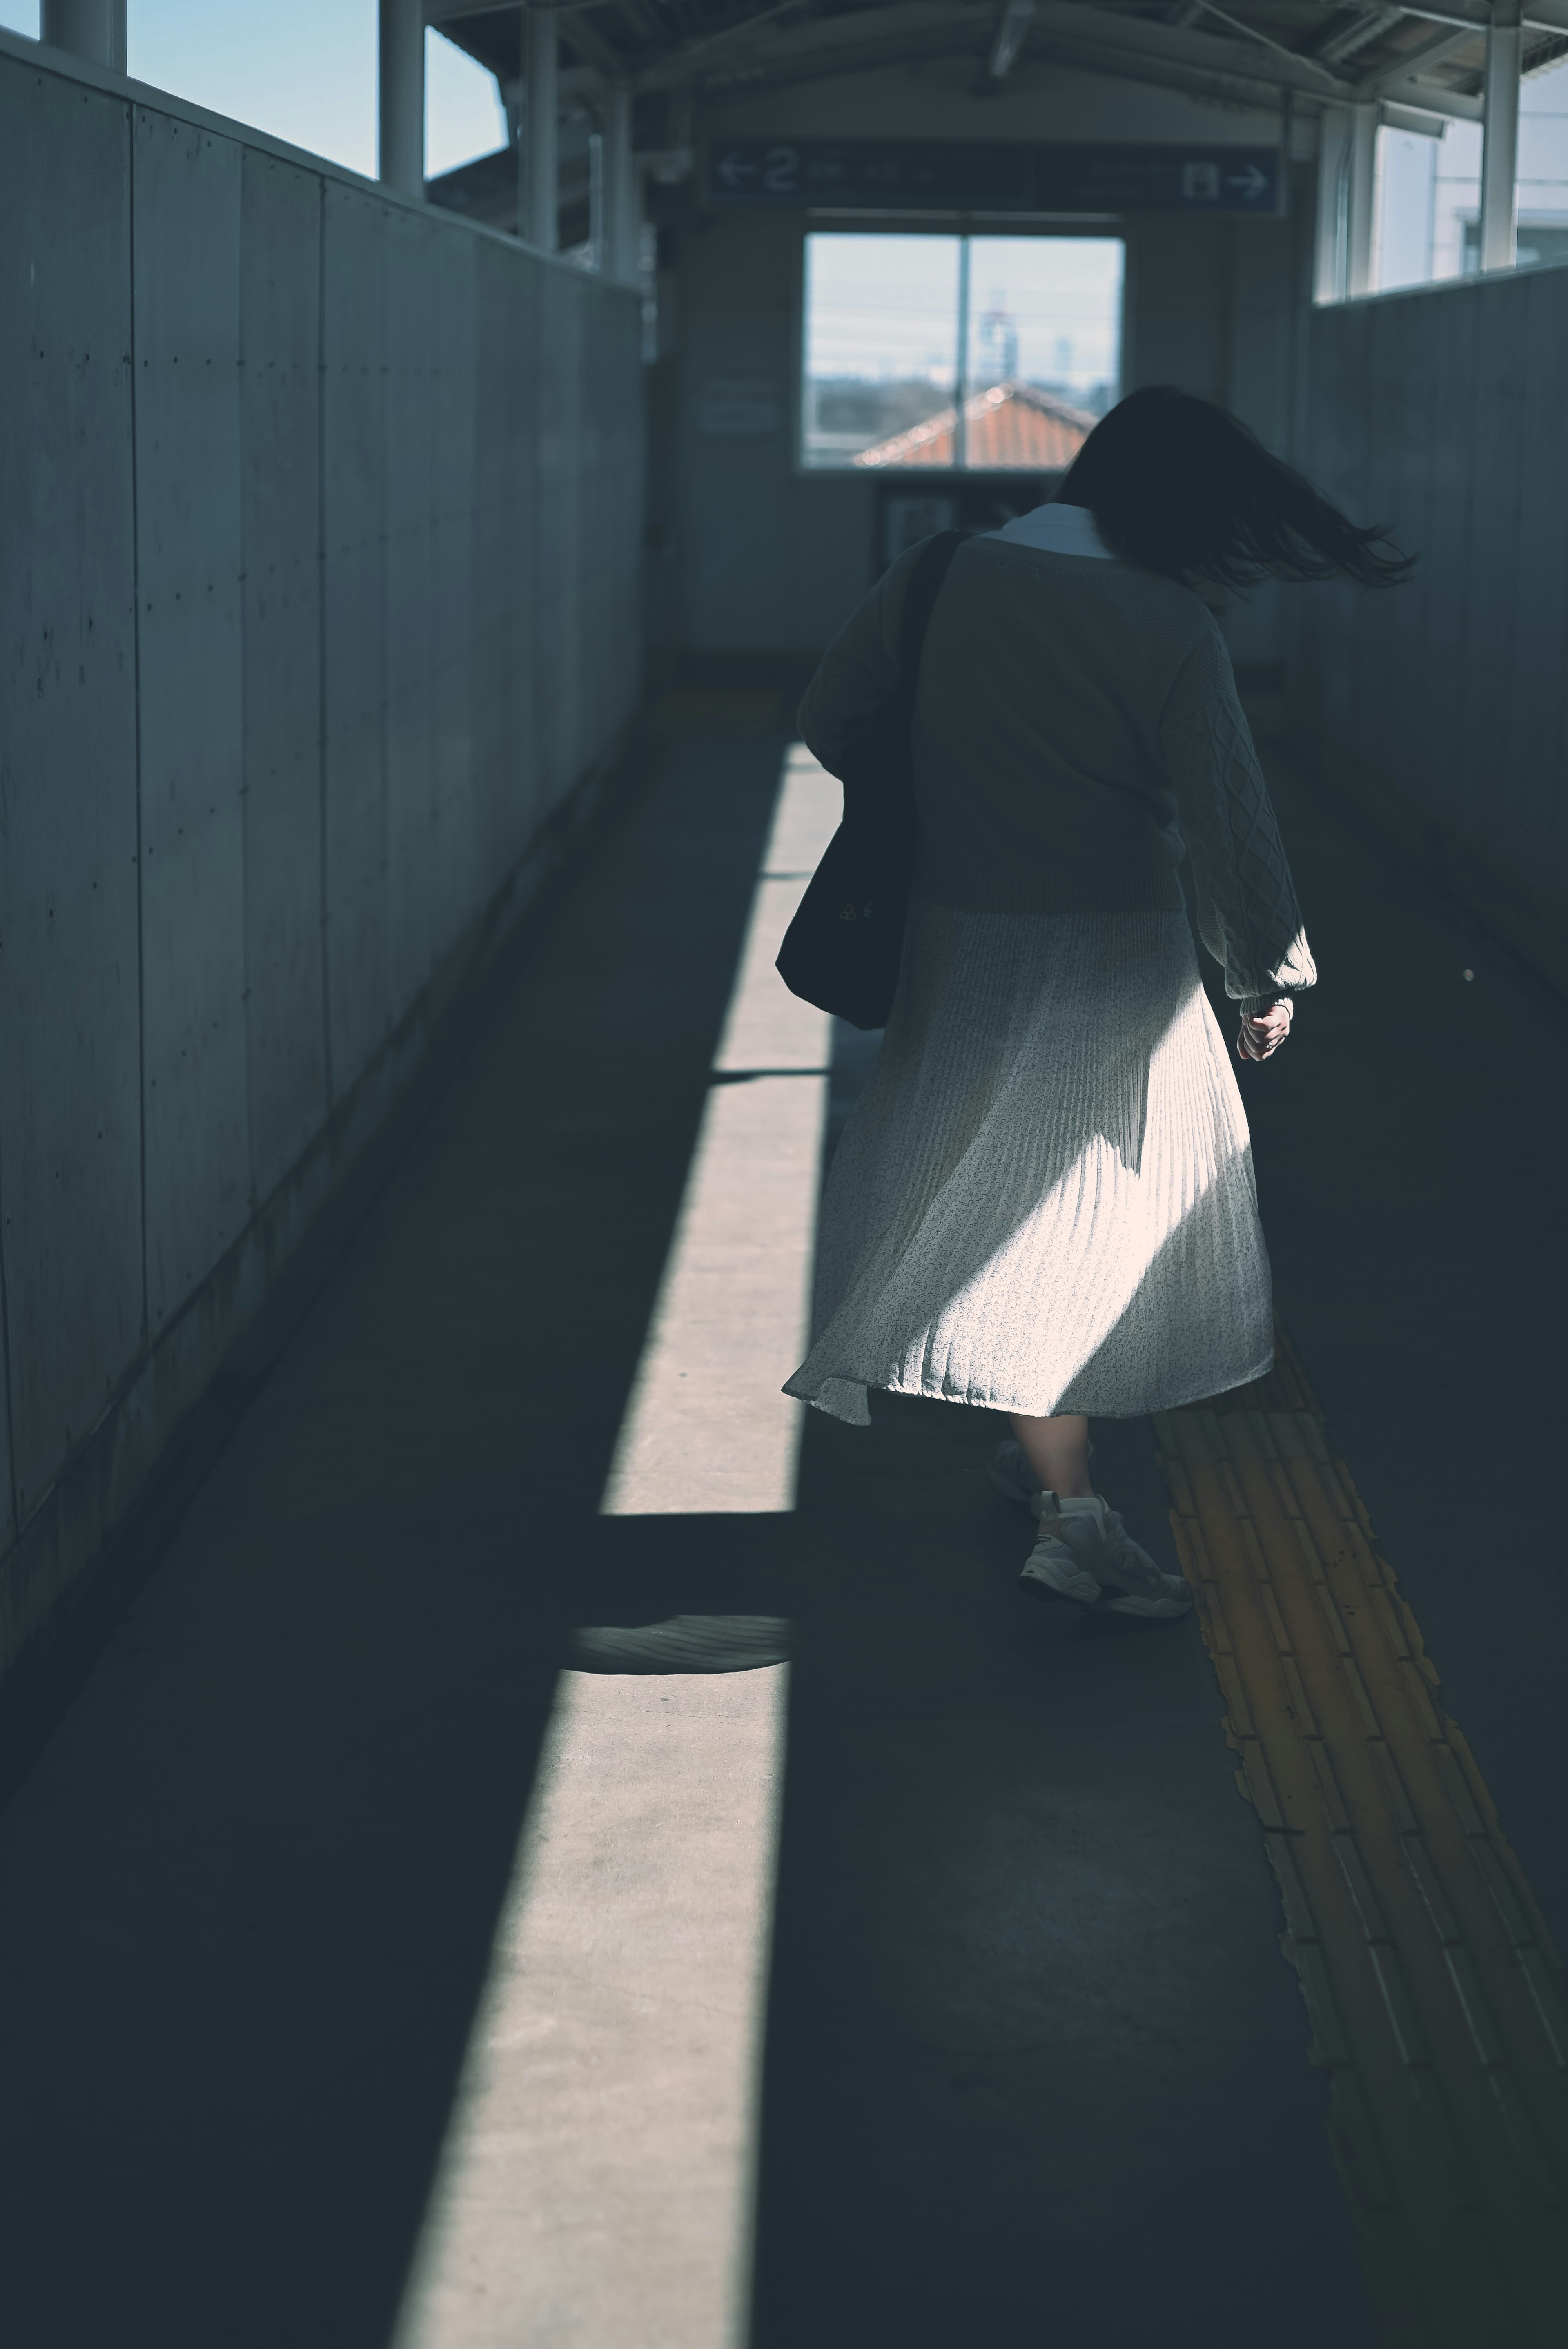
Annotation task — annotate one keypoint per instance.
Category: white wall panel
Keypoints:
(280, 325)
(590, 464)
(502, 449)
(523, 365)
(196, 1144)
(627, 548)
(618, 552)
(1337, 464)
(414, 879)
(558, 606)
(1536, 684)
(353, 476)
(1448, 551)
(1181, 284)
(1378, 625)
(1404, 377)
(739, 487)
(1267, 284)
(458, 487)
(306, 625)
(1490, 586)
(1439, 413)
(70, 1140)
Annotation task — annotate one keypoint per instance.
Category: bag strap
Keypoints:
(919, 603)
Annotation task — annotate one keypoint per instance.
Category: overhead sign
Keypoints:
(899, 175)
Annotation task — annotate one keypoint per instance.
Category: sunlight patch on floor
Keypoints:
(597, 2189)
(597, 2186)
(707, 1427)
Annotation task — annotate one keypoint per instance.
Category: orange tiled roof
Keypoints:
(1012, 427)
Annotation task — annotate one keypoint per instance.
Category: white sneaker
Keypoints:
(1084, 1553)
(1011, 1476)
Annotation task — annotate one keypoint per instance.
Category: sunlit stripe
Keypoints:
(597, 2186)
(707, 1427)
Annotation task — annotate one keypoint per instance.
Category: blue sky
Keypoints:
(303, 70)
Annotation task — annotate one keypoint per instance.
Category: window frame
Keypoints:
(1038, 228)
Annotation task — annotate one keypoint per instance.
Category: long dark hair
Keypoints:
(1179, 486)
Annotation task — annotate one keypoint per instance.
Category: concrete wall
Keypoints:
(1438, 710)
(752, 554)
(320, 522)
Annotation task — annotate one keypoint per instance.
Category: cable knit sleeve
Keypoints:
(1247, 913)
(858, 675)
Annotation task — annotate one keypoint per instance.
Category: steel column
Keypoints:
(1499, 138)
(400, 147)
(93, 30)
(961, 387)
(1328, 266)
(621, 224)
(541, 183)
(1363, 188)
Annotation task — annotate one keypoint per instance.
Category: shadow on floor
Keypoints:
(248, 1892)
(1035, 2066)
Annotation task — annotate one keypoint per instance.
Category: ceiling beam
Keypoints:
(823, 36)
(1434, 97)
(640, 21)
(1257, 58)
(1124, 65)
(1256, 32)
(577, 29)
(1405, 67)
(1224, 65)
(1541, 16)
(1232, 90)
(1207, 64)
(1368, 28)
(1012, 30)
(1257, 90)
(1235, 87)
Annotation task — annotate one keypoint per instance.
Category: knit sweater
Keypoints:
(1077, 731)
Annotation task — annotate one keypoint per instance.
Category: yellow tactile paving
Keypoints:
(1434, 1991)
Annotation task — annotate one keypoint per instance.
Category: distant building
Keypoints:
(1013, 428)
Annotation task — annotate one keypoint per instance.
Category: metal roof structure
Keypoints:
(1428, 59)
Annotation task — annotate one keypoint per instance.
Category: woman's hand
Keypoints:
(1264, 1032)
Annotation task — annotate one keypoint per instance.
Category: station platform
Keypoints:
(568, 1850)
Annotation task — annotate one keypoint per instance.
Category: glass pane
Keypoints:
(881, 349)
(1045, 347)
(1427, 223)
(1402, 235)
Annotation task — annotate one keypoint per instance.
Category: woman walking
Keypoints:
(1044, 1202)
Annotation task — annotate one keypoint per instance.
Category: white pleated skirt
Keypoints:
(1044, 1200)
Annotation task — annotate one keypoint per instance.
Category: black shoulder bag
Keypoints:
(841, 951)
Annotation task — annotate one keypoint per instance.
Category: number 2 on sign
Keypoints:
(781, 171)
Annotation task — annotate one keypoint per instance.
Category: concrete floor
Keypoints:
(1033, 2066)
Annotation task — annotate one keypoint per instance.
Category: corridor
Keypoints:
(413, 1930)
(513, 1834)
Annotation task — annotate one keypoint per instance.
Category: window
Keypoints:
(980, 353)
(1427, 218)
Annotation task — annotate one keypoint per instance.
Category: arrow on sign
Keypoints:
(1252, 183)
(734, 168)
